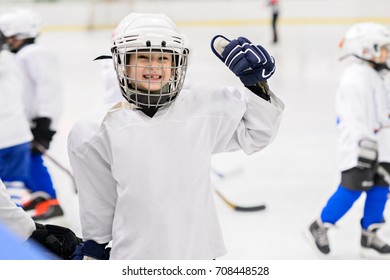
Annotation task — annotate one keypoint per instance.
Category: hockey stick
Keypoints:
(43, 150)
(240, 208)
(385, 175)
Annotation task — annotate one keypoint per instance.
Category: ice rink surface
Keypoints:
(294, 176)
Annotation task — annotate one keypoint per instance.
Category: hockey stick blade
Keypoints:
(240, 208)
(43, 150)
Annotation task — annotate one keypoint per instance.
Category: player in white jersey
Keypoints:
(142, 166)
(15, 136)
(54, 241)
(43, 103)
(13, 248)
(362, 120)
(15, 218)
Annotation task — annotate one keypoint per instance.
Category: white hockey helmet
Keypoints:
(21, 23)
(146, 34)
(365, 40)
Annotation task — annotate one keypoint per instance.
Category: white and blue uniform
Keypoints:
(383, 134)
(361, 113)
(144, 183)
(43, 98)
(358, 100)
(15, 136)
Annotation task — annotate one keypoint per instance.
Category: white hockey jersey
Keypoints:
(14, 217)
(383, 134)
(14, 125)
(360, 114)
(144, 183)
(43, 96)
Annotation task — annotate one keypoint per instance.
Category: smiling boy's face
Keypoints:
(149, 71)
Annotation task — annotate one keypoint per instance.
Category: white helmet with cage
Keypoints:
(365, 40)
(144, 36)
(21, 24)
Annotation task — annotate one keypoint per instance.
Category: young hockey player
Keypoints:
(363, 124)
(15, 136)
(43, 102)
(142, 166)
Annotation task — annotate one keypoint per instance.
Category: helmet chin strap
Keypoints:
(377, 66)
(26, 42)
(151, 110)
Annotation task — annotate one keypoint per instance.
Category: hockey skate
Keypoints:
(43, 208)
(372, 247)
(317, 235)
(34, 199)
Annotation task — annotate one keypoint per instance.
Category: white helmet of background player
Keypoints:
(21, 24)
(147, 34)
(365, 40)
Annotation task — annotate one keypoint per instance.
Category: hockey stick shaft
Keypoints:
(385, 175)
(223, 175)
(240, 208)
(44, 152)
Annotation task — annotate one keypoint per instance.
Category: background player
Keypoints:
(43, 101)
(15, 136)
(362, 120)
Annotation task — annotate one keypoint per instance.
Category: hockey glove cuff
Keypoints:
(42, 132)
(251, 63)
(90, 250)
(261, 89)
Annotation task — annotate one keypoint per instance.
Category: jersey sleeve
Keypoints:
(253, 124)
(89, 159)
(43, 71)
(14, 217)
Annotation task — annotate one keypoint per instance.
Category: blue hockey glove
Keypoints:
(90, 250)
(252, 64)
